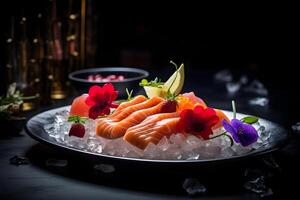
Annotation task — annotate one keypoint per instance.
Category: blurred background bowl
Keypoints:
(132, 78)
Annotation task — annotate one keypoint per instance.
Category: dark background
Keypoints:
(255, 40)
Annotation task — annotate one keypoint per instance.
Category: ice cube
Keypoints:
(233, 87)
(239, 149)
(163, 144)
(61, 117)
(209, 151)
(90, 127)
(223, 76)
(193, 187)
(191, 143)
(259, 101)
(296, 128)
(94, 145)
(18, 160)
(227, 152)
(151, 151)
(257, 87)
(191, 155)
(258, 185)
(244, 79)
(177, 139)
(264, 134)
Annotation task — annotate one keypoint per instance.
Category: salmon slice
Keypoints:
(79, 107)
(130, 109)
(110, 129)
(136, 100)
(152, 129)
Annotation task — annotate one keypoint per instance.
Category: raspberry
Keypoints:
(77, 129)
(169, 106)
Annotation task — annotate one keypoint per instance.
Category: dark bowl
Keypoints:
(132, 78)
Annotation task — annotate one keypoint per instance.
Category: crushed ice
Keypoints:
(176, 147)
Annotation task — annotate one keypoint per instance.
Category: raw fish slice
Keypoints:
(79, 107)
(152, 132)
(149, 122)
(136, 100)
(110, 129)
(129, 110)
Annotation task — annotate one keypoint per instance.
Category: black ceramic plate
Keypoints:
(34, 128)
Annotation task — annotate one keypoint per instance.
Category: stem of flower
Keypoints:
(224, 134)
(233, 109)
(218, 135)
(230, 138)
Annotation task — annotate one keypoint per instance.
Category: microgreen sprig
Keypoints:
(77, 119)
(154, 83)
(129, 94)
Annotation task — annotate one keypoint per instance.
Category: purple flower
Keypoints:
(242, 133)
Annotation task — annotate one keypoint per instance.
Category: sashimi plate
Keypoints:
(51, 127)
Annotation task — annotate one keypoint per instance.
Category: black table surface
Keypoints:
(78, 179)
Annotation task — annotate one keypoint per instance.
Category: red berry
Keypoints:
(77, 129)
(169, 106)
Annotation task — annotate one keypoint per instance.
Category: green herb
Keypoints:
(77, 119)
(129, 94)
(250, 119)
(10, 103)
(154, 83)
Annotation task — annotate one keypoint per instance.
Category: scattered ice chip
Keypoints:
(259, 101)
(296, 128)
(223, 76)
(193, 187)
(257, 87)
(244, 79)
(233, 87)
(105, 168)
(18, 160)
(258, 185)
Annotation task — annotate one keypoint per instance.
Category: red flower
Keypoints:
(198, 121)
(100, 99)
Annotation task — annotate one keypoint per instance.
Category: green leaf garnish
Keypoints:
(155, 83)
(250, 119)
(77, 119)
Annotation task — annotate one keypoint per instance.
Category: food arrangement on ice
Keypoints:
(164, 125)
